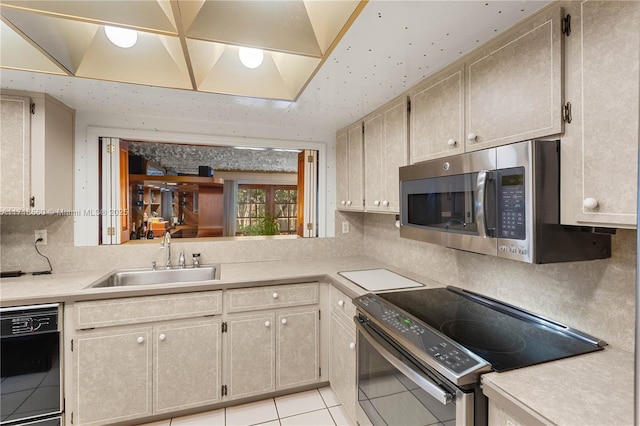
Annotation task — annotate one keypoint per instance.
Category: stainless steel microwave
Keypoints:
(502, 201)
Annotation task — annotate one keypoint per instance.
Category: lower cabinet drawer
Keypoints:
(135, 310)
(270, 297)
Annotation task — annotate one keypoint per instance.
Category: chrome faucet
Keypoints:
(196, 260)
(166, 244)
(181, 261)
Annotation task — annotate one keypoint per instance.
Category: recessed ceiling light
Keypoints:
(250, 57)
(121, 37)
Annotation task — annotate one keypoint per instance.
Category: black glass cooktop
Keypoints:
(504, 336)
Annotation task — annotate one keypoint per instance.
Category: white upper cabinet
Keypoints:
(514, 84)
(437, 115)
(600, 146)
(37, 152)
(15, 152)
(385, 151)
(349, 168)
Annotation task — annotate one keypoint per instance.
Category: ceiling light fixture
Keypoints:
(250, 57)
(121, 37)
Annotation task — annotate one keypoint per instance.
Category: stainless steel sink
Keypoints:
(137, 277)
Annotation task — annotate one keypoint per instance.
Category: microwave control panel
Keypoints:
(511, 204)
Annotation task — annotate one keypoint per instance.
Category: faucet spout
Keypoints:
(166, 244)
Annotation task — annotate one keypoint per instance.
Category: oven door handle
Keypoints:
(431, 388)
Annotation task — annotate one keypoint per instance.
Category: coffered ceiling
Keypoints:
(182, 44)
(388, 48)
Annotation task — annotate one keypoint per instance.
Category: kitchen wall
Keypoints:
(596, 297)
(17, 251)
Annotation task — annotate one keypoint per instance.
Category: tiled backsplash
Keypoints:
(596, 297)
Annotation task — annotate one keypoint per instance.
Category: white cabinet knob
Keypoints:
(343, 202)
(284, 321)
(385, 203)
(340, 302)
(275, 295)
(162, 336)
(349, 202)
(352, 345)
(140, 339)
(376, 203)
(472, 137)
(451, 143)
(267, 324)
(590, 203)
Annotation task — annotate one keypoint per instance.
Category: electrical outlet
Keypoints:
(345, 227)
(41, 233)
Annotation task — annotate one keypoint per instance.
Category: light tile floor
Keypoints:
(318, 407)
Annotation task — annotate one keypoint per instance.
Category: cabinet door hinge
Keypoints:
(319, 316)
(319, 371)
(309, 226)
(111, 148)
(111, 231)
(72, 417)
(566, 25)
(33, 108)
(224, 327)
(409, 105)
(32, 201)
(309, 158)
(71, 345)
(566, 113)
(224, 390)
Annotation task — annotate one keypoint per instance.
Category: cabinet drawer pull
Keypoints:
(472, 137)
(385, 203)
(284, 321)
(451, 143)
(343, 202)
(162, 336)
(349, 203)
(340, 302)
(267, 324)
(376, 203)
(352, 345)
(275, 295)
(140, 339)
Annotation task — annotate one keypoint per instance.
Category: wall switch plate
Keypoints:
(41, 233)
(345, 227)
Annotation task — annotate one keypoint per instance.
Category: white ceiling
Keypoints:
(390, 47)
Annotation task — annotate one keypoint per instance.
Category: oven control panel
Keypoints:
(23, 321)
(403, 328)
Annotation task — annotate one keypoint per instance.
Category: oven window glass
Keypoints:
(388, 397)
(30, 376)
(446, 203)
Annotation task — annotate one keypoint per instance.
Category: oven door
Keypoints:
(395, 389)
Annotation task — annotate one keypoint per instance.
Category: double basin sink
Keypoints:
(141, 277)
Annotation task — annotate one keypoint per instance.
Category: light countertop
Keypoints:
(595, 388)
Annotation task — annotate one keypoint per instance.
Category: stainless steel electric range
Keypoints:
(421, 353)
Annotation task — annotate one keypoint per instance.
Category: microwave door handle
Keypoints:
(431, 388)
(481, 217)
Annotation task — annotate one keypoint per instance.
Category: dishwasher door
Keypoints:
(30, 365)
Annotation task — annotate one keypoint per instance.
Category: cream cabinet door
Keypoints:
(602, 142)
(187, 365)
(113, 373)
(342, 363)
(250, 355)
(15, 152)
(350, 168)
(437, 115)
(385, 151)
(514, 85)
(298, 347)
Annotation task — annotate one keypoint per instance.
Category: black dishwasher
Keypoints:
(30, 364)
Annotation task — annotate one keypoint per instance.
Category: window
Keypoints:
(266, 209)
